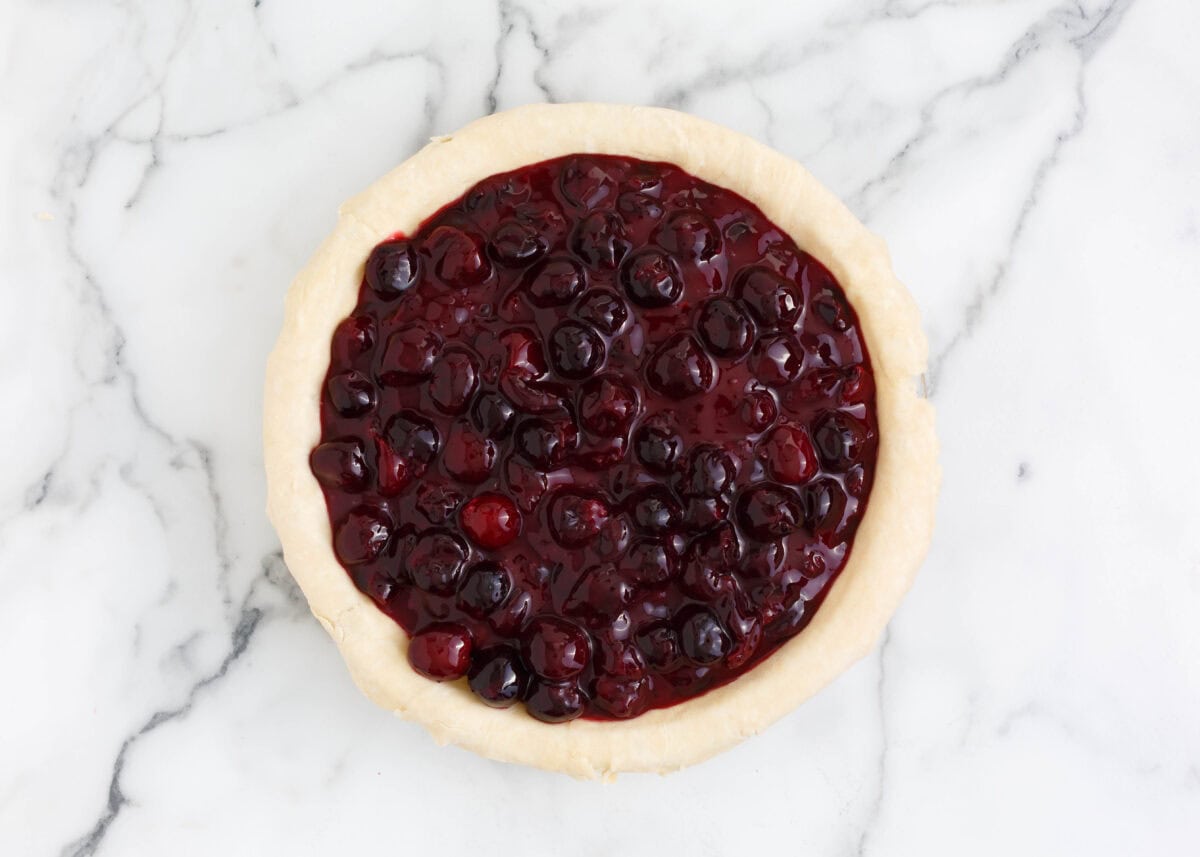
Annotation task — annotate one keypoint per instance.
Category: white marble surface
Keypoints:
(167, 166)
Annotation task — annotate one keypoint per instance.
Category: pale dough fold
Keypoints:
(888, 548)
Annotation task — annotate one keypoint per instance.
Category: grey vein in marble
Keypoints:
(89, 843)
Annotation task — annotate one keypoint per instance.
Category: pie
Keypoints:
(593, 438)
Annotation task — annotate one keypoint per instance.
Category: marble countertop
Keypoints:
(167, 167)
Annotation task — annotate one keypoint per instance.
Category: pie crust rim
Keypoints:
(888, 547)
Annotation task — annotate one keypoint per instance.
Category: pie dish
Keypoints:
(607, 411)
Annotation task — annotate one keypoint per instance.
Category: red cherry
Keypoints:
(490, 520)
(441, 652)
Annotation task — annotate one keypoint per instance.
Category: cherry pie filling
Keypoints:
(598, 436)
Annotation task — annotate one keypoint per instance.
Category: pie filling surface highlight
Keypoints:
(597, 435)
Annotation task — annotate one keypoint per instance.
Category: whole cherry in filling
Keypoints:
(598, 436)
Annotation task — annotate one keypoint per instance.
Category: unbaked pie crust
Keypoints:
(888, 548)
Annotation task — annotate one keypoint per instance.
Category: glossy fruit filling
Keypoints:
(598, 436)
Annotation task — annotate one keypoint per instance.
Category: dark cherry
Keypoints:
(654, 510)
(701, 513)
(840, 439)
(468, 456)
(525, 484)
(435, 561)
(340, 464)
(603, 310)
(484, 588)
(600, 240)
(353, 338)
(409, 353)
(725, 329)
(413, 436)
(585, 183)
(828, 300)
(637, 208)
(455, 379)
(394, 471)
(441, 651)
(555, 282)
(680, 368)
(657, 446)
(616, 656)
(576, 351)
(660, 644)
(745, 644)
(708, 472)
(514, 614)
(607, 405)
(392, 269)
(556, 648)
(770, 511)
(555, 703)
(720, 548)
(515, 243)
(691, 235)
(602, 592)
(701, 637)
(709, 561)
(824, 505)
(597, 435)
(490, 520)
(815, 384)
(652, 279)
(459, 257)
(790, 457)
(764, 559)
(759, 410)
(362, 535)
(774, 301)
(545, 216)
(621, 698)
(777, 362)
(544, 443)
(496, 677)
(437, 503)
(613, 538)
(351, 393)
(523, 353)
(534, 397)
(492, 415)
(576, 519)
(648, 562)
